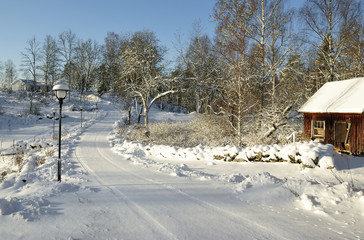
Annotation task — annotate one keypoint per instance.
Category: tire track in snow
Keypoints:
(233, 217)
(137, 209)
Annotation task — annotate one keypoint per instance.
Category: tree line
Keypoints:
(258, 66)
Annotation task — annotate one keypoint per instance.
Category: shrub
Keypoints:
(32, 109)
(206, 130)
(211, 130)
(41, 161)
(18, 160)
(49, 152)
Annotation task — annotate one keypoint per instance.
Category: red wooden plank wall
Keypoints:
(356, 132)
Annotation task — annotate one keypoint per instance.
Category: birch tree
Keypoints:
(67, 41)
(200, 70)
(233, 18)
(352, 61)
(274, 42)
(292, 86)
(111, 53)
(10, 73)
(142, 70)
(86, 60)
(281, 45)
(254, 41)
(50, 60)
(270, 37)
(31, 58)
(330, 21)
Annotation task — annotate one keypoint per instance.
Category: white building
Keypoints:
(28, 85)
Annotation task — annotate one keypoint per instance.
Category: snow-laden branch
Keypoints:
(159, 96)
(280, 122)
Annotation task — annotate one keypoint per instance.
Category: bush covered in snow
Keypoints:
(205, 130)
(216, 130)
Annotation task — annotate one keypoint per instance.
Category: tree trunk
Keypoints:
(140, 113)
(197, 99)
(262, 66)
(129, 114)
(146, 121)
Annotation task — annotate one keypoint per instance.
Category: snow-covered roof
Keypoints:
(345, 96)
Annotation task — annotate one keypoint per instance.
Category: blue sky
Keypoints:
(20, 20)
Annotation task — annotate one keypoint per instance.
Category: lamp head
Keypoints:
(61, 91)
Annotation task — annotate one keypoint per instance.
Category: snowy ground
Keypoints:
(114, 189)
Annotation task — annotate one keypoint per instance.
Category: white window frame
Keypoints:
(316, 127)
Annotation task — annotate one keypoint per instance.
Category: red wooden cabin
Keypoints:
(334, 115)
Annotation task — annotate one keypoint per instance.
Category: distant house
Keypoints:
(335, 115)
(28, 85)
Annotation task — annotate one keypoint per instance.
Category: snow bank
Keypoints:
(309, 154)
(312, 188)
(92, 98)
(28, 168)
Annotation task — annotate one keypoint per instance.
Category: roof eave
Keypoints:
(332, 112)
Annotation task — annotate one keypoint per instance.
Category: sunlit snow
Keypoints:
(117, 189)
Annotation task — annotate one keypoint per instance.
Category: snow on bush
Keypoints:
(309, 154)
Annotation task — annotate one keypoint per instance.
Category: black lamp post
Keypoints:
(61, 92)
(54, 120)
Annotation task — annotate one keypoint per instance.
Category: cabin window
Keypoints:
(318, 130)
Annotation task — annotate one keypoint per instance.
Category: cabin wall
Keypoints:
(356, 135)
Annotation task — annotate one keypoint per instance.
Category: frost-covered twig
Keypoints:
(338, 178)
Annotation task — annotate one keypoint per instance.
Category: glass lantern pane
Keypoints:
(61, 94)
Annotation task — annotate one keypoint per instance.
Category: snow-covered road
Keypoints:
(146, 204)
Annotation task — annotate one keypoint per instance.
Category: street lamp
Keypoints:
(61, 92)
(54, 120)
